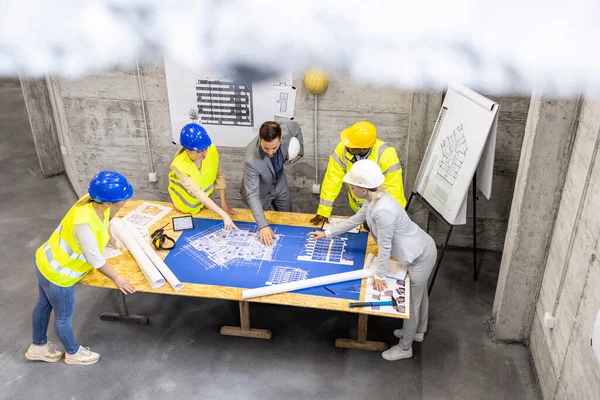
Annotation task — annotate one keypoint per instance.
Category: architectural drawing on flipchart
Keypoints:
(454, 152)
(224, 102)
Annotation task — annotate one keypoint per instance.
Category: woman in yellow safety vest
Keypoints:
(74, 248)
(195, 174)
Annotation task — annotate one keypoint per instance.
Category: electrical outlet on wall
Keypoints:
(549, 320)
(152, 177)
(316, 188)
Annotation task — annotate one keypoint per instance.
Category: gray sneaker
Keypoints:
(397, 353)
(399, 333)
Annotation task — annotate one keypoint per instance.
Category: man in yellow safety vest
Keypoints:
(358, 142)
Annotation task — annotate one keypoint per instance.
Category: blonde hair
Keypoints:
(179, 151)
(375, 193)
(85, 199)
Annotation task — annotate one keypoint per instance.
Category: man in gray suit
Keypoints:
(264, 184)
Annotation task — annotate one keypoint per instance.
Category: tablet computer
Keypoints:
(183, 223)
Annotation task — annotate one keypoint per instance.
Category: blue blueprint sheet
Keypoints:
(212, 256)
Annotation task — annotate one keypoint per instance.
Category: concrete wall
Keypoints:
(43, 126)
(563, 356)
(546, 151)
(105, 130)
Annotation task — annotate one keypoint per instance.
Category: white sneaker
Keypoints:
(397, 353)
(47, 352)
(399, 333)
(84, 356)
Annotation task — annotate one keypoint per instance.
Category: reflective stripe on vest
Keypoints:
(60, 259)
(336, 158)
(204, 178)
(393, 168)
(65, 246)
(382, 148)
(61, 270)
(375, 155)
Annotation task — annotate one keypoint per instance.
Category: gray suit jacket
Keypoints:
(259, 188)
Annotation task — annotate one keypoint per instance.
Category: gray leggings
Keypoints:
(420, 270)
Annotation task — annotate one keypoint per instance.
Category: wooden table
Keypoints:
(126, 266)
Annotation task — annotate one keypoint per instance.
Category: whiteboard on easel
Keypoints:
(463, 141)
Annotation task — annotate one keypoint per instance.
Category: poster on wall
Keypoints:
(230, 109)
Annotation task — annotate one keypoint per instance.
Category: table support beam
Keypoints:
(361, 343)
(123, 313)
(244, 329)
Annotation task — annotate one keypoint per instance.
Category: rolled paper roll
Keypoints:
(366, 272)
(143, 261)
(155, 258)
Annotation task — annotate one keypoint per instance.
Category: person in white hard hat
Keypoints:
(397, 236)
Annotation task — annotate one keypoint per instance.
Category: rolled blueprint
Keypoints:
(154, 257)
(366, 272)
(143, 261)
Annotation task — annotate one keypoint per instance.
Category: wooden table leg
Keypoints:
(123, 313)
(244, 328)
(361, 343)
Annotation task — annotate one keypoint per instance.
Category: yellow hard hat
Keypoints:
(361, 135)
(316, 80)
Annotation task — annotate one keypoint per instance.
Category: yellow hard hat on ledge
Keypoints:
(361, 135)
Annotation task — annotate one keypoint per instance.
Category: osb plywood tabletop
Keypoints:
(126, 266)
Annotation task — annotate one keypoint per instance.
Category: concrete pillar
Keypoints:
(43, 126)
(549, 133)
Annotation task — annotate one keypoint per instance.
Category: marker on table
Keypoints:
(329, 290)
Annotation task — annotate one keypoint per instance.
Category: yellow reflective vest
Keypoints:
(60, 259)
(340, 163)
(204, 177)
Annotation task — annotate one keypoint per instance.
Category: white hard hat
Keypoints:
(293, 149)
(366, 174)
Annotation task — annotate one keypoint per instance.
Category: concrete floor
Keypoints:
(181, 352)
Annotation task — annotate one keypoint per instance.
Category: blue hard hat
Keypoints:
(194, 137)
(109, 187)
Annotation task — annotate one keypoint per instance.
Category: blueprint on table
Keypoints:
(212, 256)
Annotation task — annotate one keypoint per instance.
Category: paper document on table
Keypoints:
(397, 289)
(146, 215)
(110, 252)
(336, 221)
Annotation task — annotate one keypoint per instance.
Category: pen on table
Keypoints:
(329, 290)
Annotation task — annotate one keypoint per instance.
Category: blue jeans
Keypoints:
(62, 301)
